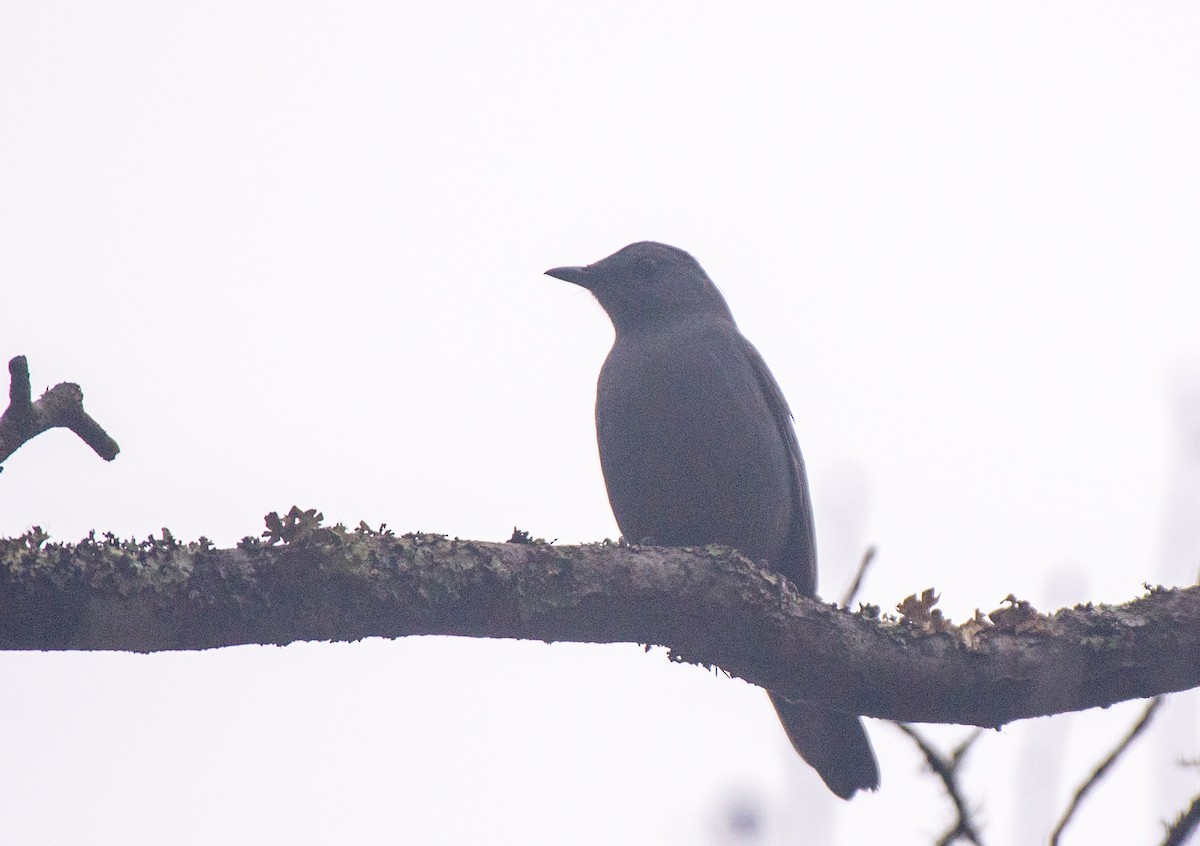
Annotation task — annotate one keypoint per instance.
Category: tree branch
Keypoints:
(946, 768)
(1104, 767)
(710, 606)
(851, 592)
(1184, 826)
(62, 405)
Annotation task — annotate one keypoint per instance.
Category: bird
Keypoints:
(697, 447)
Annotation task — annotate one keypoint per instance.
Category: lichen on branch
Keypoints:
(303, 580)
(60, 406)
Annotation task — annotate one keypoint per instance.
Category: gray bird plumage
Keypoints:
(697, 447)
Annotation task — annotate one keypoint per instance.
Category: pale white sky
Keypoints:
(293, 254)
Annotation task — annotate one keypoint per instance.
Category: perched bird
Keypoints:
(697, 447)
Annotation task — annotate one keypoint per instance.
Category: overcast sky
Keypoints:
(293, 253)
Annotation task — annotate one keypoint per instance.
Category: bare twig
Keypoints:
(1105, 765)
(963, 748)
(1183, 827)
(62, 406)
(867, 559)
(947, 768)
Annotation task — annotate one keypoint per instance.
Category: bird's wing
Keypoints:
(799, 559)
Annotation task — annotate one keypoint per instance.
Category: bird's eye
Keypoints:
(646, 267)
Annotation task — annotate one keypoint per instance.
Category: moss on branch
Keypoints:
(306, 581)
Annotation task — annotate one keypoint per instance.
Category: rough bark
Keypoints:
(61, 405)
(710, 606)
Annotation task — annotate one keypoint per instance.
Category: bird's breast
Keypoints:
(690, 450)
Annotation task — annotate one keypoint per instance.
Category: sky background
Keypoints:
(293, 253)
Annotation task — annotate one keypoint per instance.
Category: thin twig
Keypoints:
(1187, 823)
(868, 557)
(963, 748)
(1086, 787)
(946, 768)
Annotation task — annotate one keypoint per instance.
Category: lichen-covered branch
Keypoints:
(710, 606)
(62, 405)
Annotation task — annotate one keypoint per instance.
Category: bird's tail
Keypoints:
(834, 744)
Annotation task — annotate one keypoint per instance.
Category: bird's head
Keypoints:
(648, 284)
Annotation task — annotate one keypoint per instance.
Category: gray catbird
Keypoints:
(697, 447)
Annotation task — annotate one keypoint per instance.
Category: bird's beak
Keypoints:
(578, 275)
